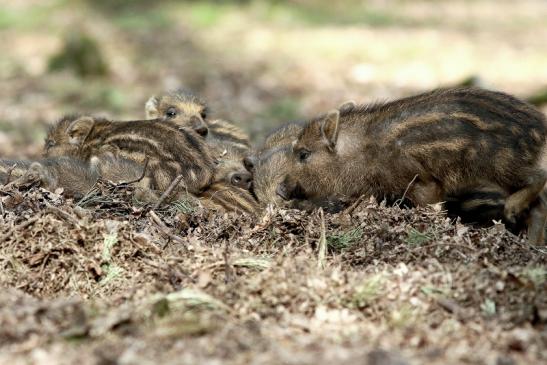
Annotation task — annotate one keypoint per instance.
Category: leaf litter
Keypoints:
(117, 282)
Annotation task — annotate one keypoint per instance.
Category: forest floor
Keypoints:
(117, 284)
(110, 282)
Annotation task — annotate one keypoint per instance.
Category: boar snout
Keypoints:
(290, 190)
(241, 179)
(250, 162)
(281, 191)
(199, 126)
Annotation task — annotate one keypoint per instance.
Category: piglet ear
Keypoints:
(95, 164)
(250, 162)
(329, 128)
(36, 173)
(152, 108)
(78, 130)
(348, 105)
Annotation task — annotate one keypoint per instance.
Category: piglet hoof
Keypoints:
(29, 179)
(281, 191)
(512, 212)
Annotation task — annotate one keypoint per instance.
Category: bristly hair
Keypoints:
(431, 97)
(384, 105)
(62, 122)
(287, 125)
(65, 119)
(187, 95)
(428, 98)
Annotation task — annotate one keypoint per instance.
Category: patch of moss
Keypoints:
(80, 54)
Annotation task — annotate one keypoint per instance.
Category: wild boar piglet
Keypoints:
(424, 148)
(74, 176)
(166, 150)
(183, 108)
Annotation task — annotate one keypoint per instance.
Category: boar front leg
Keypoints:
(537, 221)
(521, 200)
(422, 192)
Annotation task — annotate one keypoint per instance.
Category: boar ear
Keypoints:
(250, 162)
(348, 105)
(95, 164)
(79, 129)
(151, 108)
(37, 172)
(329, 128)
(38, 169)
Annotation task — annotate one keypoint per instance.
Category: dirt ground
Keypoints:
(109, 282)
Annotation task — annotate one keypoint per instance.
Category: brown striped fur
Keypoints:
(282, 136)
(430, 146)
(111, 166)
(169, 151)
(57, 140)
(269, 166)
(183, 109)
(481, 206)
(121, 170)
(229, 198)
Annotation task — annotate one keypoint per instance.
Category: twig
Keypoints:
(443, 244)
(542, 251)
(168, 192)
(322, 252)
(139, 178)
(9, 171)
(227, 267)
(63, 214)
(449, 305)
(164, 229)
(399, 201)
(23, 225)
(92, 191)
(217, 191)
(355, 205)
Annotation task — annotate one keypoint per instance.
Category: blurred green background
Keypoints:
(258, 63)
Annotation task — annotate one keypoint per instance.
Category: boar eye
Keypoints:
(171, 112)
(50, 144)
(303, 155)
(203, 114)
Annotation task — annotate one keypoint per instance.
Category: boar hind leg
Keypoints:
(521, 200)
(422, 193)
(329, 205)
(478, 205)
(146, 195)
(537, 221)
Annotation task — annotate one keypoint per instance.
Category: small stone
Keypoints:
(505, 361)
(500, 285)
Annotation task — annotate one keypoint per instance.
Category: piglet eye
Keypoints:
(50, 144)
(203, 114)
(171, 112)
(303, 155)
